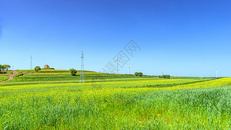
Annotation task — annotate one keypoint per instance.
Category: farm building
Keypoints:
(47, 67)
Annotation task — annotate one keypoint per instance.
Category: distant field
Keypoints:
(63, 76)
(56, 100)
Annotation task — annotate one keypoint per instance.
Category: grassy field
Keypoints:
(4, 75)
(56, 100)
(3, 78)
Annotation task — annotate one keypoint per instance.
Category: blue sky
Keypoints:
(180, 37)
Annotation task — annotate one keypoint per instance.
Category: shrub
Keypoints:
(37, 68)
(73, 72)
(165, 76)
(138, 74)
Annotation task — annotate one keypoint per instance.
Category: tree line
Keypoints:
(4, 67)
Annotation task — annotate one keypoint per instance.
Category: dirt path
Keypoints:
(10, 77)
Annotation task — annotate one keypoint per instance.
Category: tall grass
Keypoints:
(3, 78)
(68, 106)
(4, 75)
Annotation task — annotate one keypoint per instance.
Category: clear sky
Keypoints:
(176, 37)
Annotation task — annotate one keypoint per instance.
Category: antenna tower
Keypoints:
(82, 69)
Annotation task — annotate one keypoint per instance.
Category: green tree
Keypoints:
(140, 74)
(6, 67)
(3, 67)
(136, 73)
(37, 68)
(165, 76)
(73, 72)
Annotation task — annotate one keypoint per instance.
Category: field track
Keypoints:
(10, 77)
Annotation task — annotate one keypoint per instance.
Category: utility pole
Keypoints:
(217, 73)
(82, 69)
(129, 70)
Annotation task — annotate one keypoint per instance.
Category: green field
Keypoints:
(4, 75)
(3, 78)
(53, 99)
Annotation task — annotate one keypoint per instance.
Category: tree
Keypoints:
(138, 74)
(73, 72)
(165, 76)
(6, 67)
(3, 67)
(37, 68)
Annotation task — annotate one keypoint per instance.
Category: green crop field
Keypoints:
(53, 99)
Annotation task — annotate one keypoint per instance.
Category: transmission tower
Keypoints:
(31, 62)
(117, 61)
(82, 69)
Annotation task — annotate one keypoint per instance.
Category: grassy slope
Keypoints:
(4, 75)
(63, 76)
(118, 102)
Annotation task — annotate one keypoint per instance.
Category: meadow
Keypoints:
(55, 100)
(4, 75)
(3, 78)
